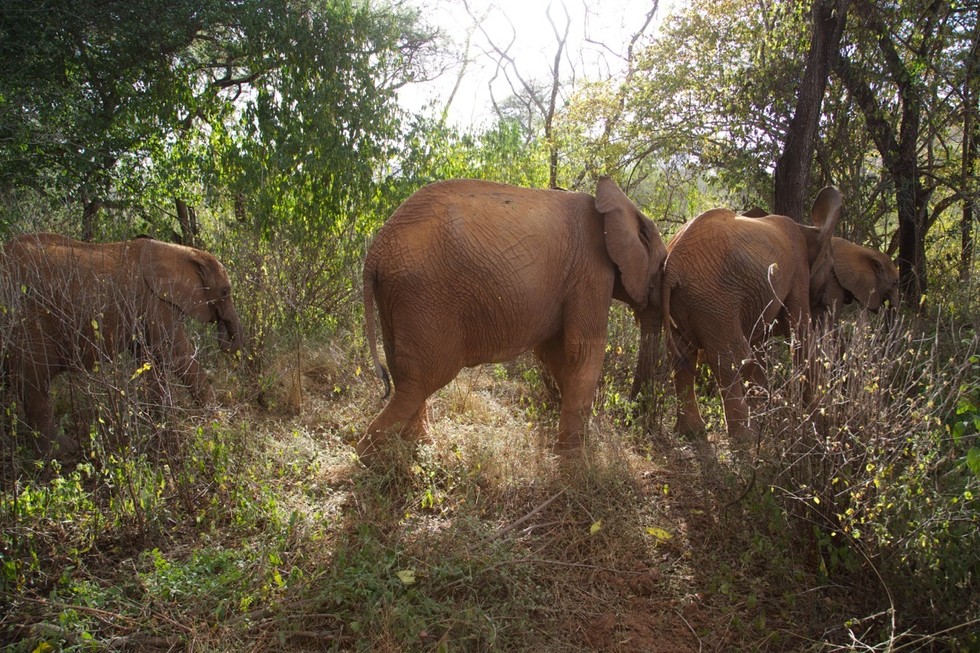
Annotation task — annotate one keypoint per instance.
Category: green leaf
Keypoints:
(973, 461)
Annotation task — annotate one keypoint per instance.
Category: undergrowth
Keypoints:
(253, 527)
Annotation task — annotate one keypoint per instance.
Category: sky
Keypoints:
(597, 40)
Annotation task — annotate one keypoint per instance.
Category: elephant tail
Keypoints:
(370, 279)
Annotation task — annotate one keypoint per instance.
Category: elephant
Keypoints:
(861, 274)
(69, 305)
(728, 282)
(467, 272)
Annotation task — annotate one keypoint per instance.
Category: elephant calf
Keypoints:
(468, 272)
(69, 305)
(728, 281)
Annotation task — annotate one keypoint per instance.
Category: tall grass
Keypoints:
(252, 526)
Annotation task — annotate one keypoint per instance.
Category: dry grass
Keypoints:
(270, 535)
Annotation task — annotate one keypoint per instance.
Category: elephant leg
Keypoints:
(39, 416)
(171, 348)
(415, 378)
(754, 371)
(576, 364)
(728, 369)
(403, 417)
(689, 420)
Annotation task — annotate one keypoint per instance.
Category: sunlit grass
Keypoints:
(258, 529)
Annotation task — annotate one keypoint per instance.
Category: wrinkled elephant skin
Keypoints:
(467, 272)
(728, 281)
(863, 275)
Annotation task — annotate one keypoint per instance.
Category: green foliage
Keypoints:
(434, 151)
(281, 110)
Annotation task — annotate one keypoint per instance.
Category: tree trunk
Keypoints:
(792, 174)
(90, 211)
(968, 219)
(898, 147)
(971, 137)
(187, 218)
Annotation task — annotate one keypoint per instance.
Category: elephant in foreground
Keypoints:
(467, 272)
(729, 281)
(68, 304)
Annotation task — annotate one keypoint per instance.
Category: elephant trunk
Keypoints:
(230, 332)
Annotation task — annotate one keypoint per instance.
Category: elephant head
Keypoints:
(80, 303)
(196, 283)
(861, 274)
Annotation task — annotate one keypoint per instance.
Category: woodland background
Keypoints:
(276, 134)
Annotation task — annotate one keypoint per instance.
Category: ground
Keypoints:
(275, 537)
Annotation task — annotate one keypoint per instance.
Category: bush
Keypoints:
(882, 471)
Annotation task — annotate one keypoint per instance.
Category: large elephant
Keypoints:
(467, 272)
(729, 280)
(68, 304)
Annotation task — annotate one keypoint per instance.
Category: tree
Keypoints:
(89, 82)
(898, 140)
(112, 100)
(792, 175)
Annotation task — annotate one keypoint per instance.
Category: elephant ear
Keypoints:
(825, 215)
(826, 211)
(176, 275)
(633, 243)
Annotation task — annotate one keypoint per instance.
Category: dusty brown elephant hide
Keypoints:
(70, 305)
(467, 272)
(728, 281)
(862, 275)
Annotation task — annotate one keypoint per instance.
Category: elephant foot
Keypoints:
(695, 432)
(690, 425)
(385, 454)
(744, 442)
(568, 444)
(367, 451)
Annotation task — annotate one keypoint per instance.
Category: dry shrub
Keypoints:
(876, 470)
(292, 296)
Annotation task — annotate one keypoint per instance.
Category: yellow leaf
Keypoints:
(659, 533)
(406, 576)
(594, 528)
(357, 372)
(146, 367)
